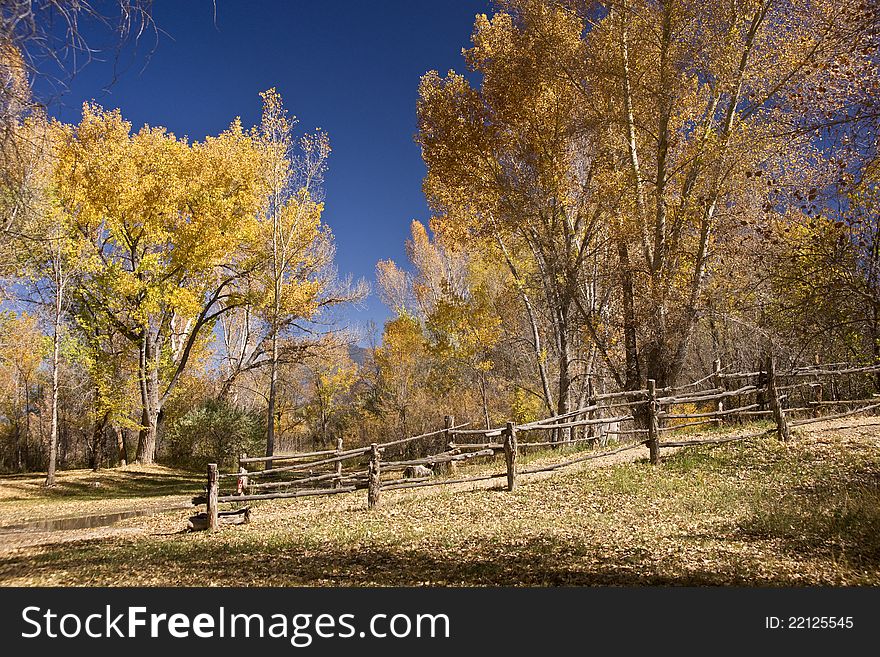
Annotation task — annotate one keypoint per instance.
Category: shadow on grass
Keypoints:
(111, 484)
(835, 517)
(189, 561)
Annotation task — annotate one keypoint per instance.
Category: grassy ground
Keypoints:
(757, 513)
(23, 498)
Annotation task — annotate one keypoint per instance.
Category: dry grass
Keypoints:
(757, 513)
(23, 498)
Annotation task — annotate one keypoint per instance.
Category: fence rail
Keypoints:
(310, 473)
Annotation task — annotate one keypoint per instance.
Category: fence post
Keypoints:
(213, 492)
(510, 454)
(718, 381)
(591, 428)
(242, 475)
(761, 395)
(337, 483)
(373, 484)
(449, 467)
(782, 429)
(653, 424)
(817, 390)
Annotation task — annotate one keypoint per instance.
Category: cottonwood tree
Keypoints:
(618, 151)
(166, 224)
(704, 98)
(515, 166)
(50, 41)
(23, 349)
(451, 294)
(52, 261)
(295, 280)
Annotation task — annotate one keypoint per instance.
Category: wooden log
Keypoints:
(444, 482)
(550, 443)
(627, 432)
(477, 446)
(578, 423)
(594, 433)
(338, 463)
(448, 468)
(405, 480)
(213, 490)
(653, 423)
(510, 453)
(580, 459)
(424, 435)
(713, 441)
(344, 456)
(374, 482)
(336, 456)
(741, 375)
(836, 416)
(812, 371)
(242, 485)
(701, 395)
(782, 429)
(694, 384)
(439, 458)
(712, 414)
(199, 522)
(706, 396)
(843, 402)
(787, 411)
(288, 457)
(281, 496)
(489, 433)
(673, 427)
(309, 480)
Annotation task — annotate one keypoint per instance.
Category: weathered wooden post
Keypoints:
(591, 402)
(761, 395)
(718, 382)
(817, 390)
(213, 493)
(653, 423)
(242, 475)
(782, 429)
(510, 451)
(337, 483)
(449, 467)
(373, 484)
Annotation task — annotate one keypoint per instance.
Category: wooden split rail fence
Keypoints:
(650, 414)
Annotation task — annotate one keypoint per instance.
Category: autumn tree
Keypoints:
(294, 280)
(166, 223)
(515, 167)
(452, 295)
(618, 151)
(23, 348)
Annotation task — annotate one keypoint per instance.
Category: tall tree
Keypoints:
(168, 225)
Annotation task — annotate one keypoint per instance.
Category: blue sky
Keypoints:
(349, 67)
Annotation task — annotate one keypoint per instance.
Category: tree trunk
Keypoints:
(564, 397)
(121, 449)
(150, 411)
(53, 431)
(633, 374)
(533, 324)
(485, 401)
(273, 393)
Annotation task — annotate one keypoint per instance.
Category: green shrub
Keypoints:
(214, 432)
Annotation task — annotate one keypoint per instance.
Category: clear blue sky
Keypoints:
(350, 67)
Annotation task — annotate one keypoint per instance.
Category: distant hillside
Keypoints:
(358, 354)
